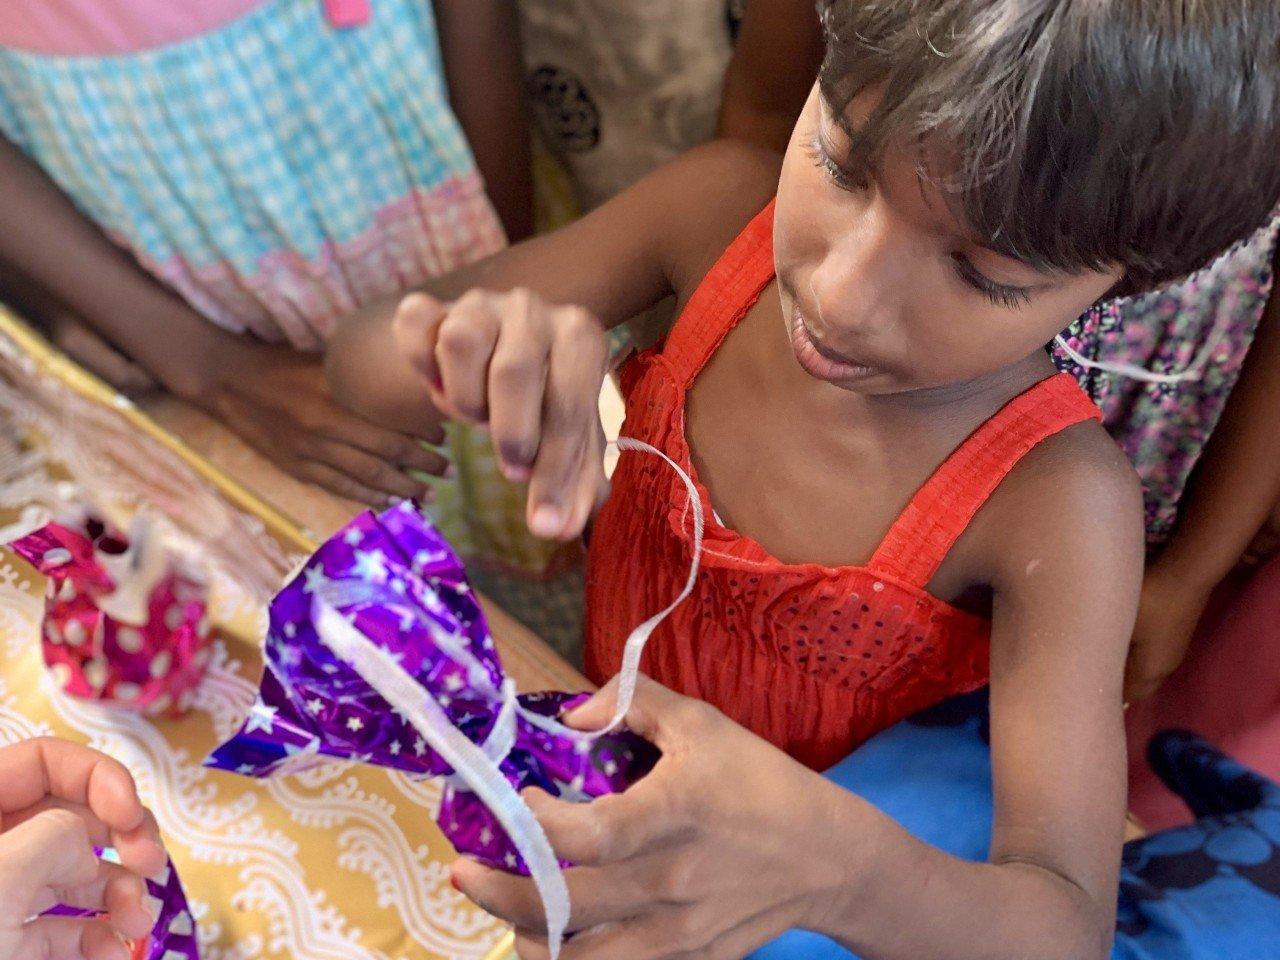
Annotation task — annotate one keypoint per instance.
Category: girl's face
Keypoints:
(883, 289)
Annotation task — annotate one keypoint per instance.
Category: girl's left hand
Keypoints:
(726, 844)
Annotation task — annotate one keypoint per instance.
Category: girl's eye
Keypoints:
(835, 173)
(1002, 295)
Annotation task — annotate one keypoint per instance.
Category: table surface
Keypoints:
(340, 863)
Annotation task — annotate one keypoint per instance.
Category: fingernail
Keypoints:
(546, 522)
(450, 472)
(453, 882)
(515, 472)
(427, 495)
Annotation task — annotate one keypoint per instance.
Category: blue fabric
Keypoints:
(1206, 891)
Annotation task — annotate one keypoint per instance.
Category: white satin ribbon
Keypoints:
(477, 768)
(471, 764)
(640, 635)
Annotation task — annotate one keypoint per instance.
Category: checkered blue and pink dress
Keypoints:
(277, 171)
(278, 163)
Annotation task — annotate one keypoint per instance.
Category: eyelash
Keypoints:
(1010, 298)
(835, 174)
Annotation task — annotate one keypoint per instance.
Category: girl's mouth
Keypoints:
(821, 361)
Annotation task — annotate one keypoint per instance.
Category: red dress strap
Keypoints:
(726, 293)
(921, 537)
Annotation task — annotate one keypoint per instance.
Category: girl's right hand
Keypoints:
(530, 373)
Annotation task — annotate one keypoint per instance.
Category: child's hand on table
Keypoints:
(58, 800)
(531, 373)
(278, 400)
(723, 846)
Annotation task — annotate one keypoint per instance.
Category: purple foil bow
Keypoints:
(174, 935)
(378, 651)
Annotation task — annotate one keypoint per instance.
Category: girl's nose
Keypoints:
(858, 286)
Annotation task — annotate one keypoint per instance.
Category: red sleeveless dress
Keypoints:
(814, 659)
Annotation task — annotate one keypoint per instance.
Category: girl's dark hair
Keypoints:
(1076, 133)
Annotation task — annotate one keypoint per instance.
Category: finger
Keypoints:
(84, 345)
(677, 934)
(613, 828)
(464, 347)
(749, 935)
(99, 833)
(397, 449)
(367, 470)
(655, 711)
(640, 938)
(1263, 546)
(115, 891)
(596, 895)
(68, 938)
(140, 850)
(415, 328)
(1140, 689)
(531, 945)
(591, 483)
(571, 420)
(323, 475)
(41, 767)
(1141, 679)
(517, 378)
(50, 851)
(125, 899)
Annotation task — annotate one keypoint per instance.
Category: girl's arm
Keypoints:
(72, 335)
(771, 72)
(480, 43)
(1231, 492)
(659, 235)
(728, 842)
(1066, 542)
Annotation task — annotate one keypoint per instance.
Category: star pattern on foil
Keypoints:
(314, 579)
(261, 717)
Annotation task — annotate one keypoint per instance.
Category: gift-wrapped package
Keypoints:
(125, 618)
(377, 651)
(395, 581)
(174, 935)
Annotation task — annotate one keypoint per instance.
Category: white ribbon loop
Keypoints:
(634, 647)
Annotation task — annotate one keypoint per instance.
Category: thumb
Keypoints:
(649, 705)
(52, 850)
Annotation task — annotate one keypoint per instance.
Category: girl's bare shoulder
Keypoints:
(704, 199)
(1075, 493)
